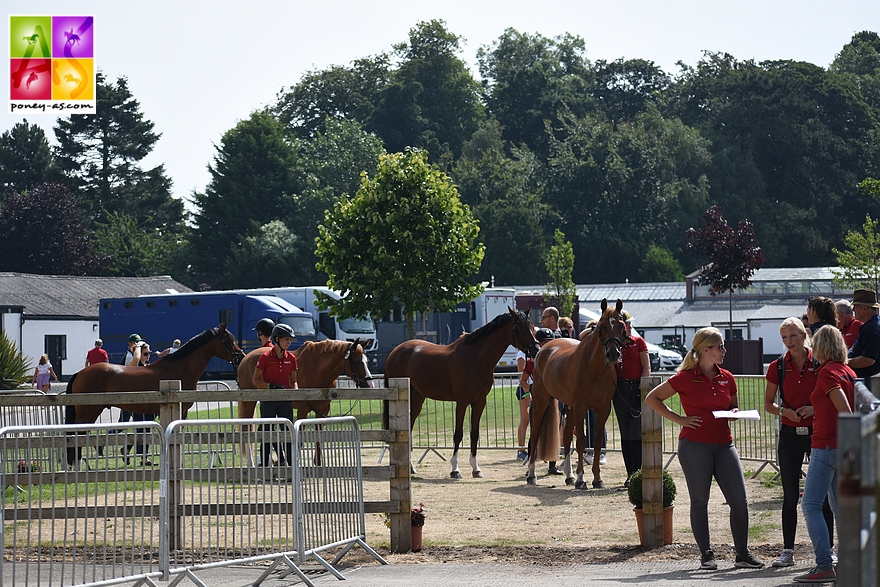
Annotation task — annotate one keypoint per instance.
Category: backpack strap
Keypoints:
(780, 369)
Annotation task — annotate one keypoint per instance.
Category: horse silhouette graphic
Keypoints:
(32, 39)
(69, 78)
(71, 37)
(31, 78)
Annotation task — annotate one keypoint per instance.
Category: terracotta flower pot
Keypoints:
(667, 524)
(417, 538)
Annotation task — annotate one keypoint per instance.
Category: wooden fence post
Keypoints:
(399, 454)
(652, 472)
(168, 413)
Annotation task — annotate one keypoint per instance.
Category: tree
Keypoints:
(137, 251)
(252, 182)
(404, 238)
(25, 158)
(660, 265)
(41, 232)
(560, 264)
(101, 155)
(860, 261)
(268, 259)
(733, 254)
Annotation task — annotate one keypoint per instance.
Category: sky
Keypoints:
(197, 68)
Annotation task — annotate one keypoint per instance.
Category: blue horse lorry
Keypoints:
(160, 319)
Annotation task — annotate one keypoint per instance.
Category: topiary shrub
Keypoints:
(15, 369)
(634, 489)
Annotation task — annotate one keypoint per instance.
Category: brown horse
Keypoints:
(582, 376)
(462, 371)
(185, 365)
(320, 363)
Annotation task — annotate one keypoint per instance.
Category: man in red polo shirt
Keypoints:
(97, 354)
(849, 325)
(276, 368)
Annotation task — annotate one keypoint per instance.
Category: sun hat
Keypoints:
(865, 297)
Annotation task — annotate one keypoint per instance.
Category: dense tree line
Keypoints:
(619, 155)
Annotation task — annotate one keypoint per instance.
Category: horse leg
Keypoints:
(580, 447)
(416, 401)
(457, 437)
(601, 419)
(476, 413)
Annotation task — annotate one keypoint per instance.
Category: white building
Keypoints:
(58, 314)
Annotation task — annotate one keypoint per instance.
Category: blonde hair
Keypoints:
(796, 322)
(828, 345)
(704, 337)
(44, 359)
(565, 322)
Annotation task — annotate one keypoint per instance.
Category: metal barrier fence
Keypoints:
(858, 451)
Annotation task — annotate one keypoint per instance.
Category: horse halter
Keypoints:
(523, 346)
(349, 356)
(237, 356)
(609, 341)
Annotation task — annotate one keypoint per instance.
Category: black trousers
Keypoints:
(790, 452)
(627, 402)
(282, 409)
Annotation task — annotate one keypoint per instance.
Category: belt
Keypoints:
(631, 381)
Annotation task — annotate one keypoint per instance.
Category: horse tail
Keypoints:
(70, 411)
(550, 439)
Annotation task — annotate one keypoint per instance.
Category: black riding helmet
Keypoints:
(281, 330)
(543, 334)
(265, 326)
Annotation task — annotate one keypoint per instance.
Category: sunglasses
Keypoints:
(721, 346)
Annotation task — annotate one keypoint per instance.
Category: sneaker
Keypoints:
(554, 471)
(786, 559)
(833, 559)
(818, 575)
(588, 456)
(707, 560)
(602, 459)
(746, 560)
(522, 455)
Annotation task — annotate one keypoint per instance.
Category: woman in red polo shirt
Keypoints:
(276, 369)
(705, 445)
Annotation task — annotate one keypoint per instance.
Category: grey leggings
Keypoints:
(700, 462)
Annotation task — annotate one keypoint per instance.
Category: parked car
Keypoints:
(669, 360)
(654, 356)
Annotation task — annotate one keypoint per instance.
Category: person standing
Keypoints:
(175, 344)
(142, 354)
(705, 444)
(792, 377)
(276, 369)
(42, 373)
(633, 368)
(847, 322)
(834, 394)
(821, 311)
(97, 354)
(550, 320)
(264, 329)
(864, 355)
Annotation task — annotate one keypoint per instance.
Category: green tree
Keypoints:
(41, 232)
(101, 155)
(859, 262)
(560, 264)
(405, 237)
(660, 265)
(25, 158)
(268, 259)
(137, 251)
(252, 182)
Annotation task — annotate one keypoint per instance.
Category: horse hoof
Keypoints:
(477, 475)
(580, 485)
(569, 480)
(455, 474)
(533, 480)
(598, 485)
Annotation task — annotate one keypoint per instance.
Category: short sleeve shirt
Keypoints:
(796, 385)
(97, 355)
(701, 395)
(277, 370)
(830, 375)
(851, 332)
(630, 366)
(868, 345)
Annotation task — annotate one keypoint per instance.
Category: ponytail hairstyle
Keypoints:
(825, 309)
(704, 337)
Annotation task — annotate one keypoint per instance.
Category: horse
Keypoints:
(582, 376)
(320, 363)
(186, 365)
(462, 371)
(72, 37)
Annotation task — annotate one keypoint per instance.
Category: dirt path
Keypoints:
(500, 518)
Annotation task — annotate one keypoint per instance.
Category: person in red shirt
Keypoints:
(705, 445)
(276, 369)
(796, 415)
(264, 329)
(847, 322)
(97, 354)
(634, 365)
(833, 394)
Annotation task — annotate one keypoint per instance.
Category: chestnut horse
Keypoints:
(185, 365)
(320, 363)
(582, 376)
(462, 371)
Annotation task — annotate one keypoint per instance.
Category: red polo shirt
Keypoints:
(97, 355)
(277, 370)
(851, 333)
(830, 375)
(701, 395)
(796, 385)
(630, 366)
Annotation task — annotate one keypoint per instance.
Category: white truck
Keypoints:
(327, 326)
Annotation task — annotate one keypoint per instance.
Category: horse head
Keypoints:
(612, 331)
(524, 333)
(233, 353)
(355, 366)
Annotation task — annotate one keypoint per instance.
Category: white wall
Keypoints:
(81, 335)
(11, 325)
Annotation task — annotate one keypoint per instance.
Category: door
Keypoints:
(56, 348)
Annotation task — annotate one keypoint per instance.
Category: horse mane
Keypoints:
(487, 329)
(330, 346)
(193, 344)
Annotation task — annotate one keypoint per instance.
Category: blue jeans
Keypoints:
(821, 481)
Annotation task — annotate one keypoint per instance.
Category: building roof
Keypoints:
(77, 297)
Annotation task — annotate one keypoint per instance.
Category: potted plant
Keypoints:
(634, 491)
(417, 517)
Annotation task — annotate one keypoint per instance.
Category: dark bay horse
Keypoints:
(582, 376)
(320, 363)
(186, 365)
(462, 371)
